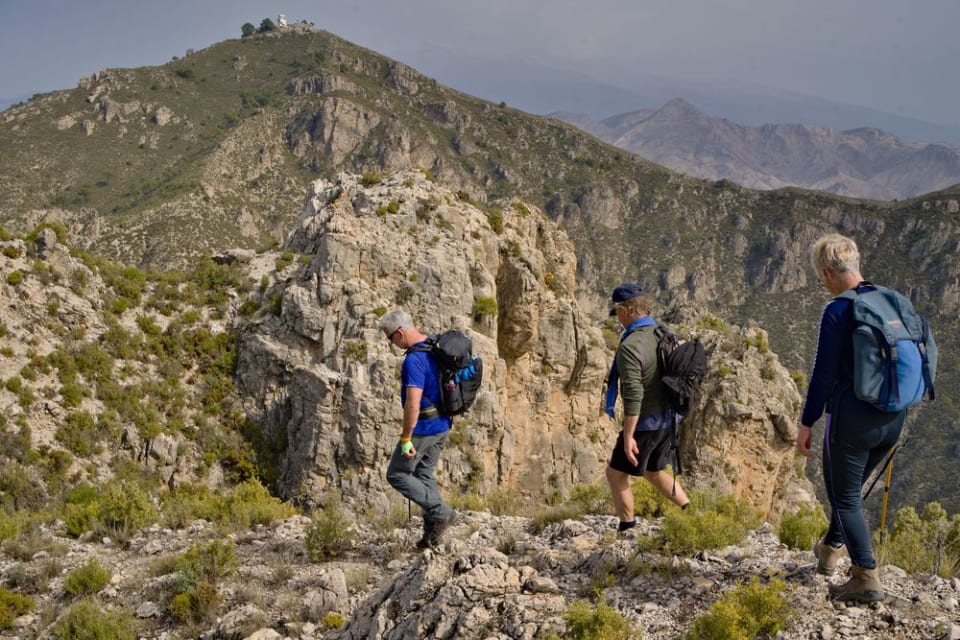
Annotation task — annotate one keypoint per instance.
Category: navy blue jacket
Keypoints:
(830, 385)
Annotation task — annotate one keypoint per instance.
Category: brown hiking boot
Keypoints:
(828, 557)
(863, 586)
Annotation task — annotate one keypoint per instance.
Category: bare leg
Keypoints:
(664, 483)
(622, 494)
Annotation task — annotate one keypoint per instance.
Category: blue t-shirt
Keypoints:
(420, 371)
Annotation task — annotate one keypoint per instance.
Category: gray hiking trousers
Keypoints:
(414, 477)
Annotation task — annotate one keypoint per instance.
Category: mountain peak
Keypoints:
(678, 107)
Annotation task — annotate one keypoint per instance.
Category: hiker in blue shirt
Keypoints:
(644, 444)
(856, 435)
(424, 432)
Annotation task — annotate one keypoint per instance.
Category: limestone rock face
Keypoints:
(318, 376)
(321, 376)
(741, 438)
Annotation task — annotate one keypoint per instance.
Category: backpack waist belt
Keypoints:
(428, 413)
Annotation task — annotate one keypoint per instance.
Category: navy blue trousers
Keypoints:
(853, 445)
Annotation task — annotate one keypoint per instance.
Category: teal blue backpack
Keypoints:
(894, 353)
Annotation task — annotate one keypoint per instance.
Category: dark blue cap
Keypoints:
(626, 291)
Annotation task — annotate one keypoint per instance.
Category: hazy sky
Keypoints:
(897, 56)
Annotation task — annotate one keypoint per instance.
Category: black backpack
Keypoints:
(683, 365)
(460, 373)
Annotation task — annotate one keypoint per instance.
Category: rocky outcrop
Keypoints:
(319, 376)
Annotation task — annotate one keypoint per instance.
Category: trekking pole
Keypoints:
(409, 510)
(886, 497)
(886, 466)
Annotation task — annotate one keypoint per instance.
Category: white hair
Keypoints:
(396, 319)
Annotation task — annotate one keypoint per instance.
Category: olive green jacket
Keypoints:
(640, 388)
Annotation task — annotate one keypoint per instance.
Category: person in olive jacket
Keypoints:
(644, 444)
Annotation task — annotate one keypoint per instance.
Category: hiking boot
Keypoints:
(828, 557)
(434, 531)
(424, 542)
(863, 586)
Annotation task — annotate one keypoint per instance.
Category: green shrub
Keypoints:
(392, 207)
(355, 350)
(925, 542)
(592, 498)
(11, 524)
(14, 278)
(332, 620)
(467, 501)
(751, 610)
(802, 528)
(799, 378)
(12, 606)
(14, 384)
(584, 622)
(370, 178)
(250, 503)
(87, 579)
(117, 510)
(757, 340)
(554, 514)
(329, 533)
(503, 501)
(716, 521)
(521, 209)
(87, 621)
(207, 562)
(647, 501)
(20, 487)
(284, 260)
(187, 503)
(196, 596)
(78, 433)
(711, 322)
(181, 606)
(80, 518)
(495, 218)
(248, 307)
(484, 306)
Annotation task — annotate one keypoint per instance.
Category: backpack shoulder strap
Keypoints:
(852, 294)
(431, 342)
(661, 330)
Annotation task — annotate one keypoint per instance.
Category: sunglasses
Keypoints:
(391, 336)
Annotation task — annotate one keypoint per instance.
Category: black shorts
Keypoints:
(654, 454)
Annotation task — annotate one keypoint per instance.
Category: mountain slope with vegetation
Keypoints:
(162, 165)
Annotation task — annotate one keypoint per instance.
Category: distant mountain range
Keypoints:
(528, 81)
(861, 163)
